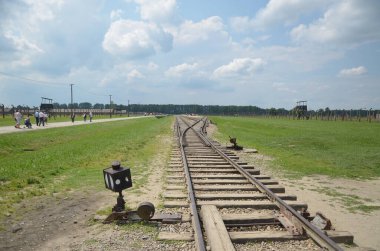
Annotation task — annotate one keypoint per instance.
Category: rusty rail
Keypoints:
(199, 240)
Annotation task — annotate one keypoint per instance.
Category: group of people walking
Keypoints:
(41, 118)
(85, 115)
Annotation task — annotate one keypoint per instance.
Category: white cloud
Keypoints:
(356, 71)
(348, 22)
(179, 70)
(284, 12)
(21, 43)
(43, 10)
(190, 32)
(134, 74)
(21, 30)
(136, 39)
(157, 10)
(277, 12)
(241, 24)
(239, 67)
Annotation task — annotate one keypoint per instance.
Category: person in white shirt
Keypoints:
(42, 118)
(37, 117)
(18, 118)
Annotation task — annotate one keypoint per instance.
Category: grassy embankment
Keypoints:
(306, 147)
(70, 158)
(8, 120)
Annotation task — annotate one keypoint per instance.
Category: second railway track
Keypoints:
(225, 201)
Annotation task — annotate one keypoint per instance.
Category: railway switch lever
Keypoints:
(117, 178)
(235, 146)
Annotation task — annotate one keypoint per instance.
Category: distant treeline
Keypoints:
(171, 108)
(200, 109)
(233, 110)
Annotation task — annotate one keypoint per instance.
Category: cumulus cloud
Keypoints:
(29, 14)
(19, 23)
(284, 12)
(277, 12)
(190, 32)
(51, 36)
(136, 39)
(239, 67)
(356, 71)
(157, 10)
(179, 70)
(347, 22)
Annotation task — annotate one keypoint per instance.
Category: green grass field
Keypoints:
(62, 159)
(69, 158)
(305, 147)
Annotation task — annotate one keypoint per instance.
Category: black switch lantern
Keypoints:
(117, 178)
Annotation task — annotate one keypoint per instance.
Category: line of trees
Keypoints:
(172, 109)
(326, 113)
(197, 109)
(83, 105)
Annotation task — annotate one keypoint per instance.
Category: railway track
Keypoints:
(225, 201)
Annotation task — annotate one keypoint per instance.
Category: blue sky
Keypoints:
(264, 53)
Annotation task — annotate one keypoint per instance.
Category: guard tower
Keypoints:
(301, 110)
(46, 104)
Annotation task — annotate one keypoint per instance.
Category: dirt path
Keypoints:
(12, 129)
(51, 220)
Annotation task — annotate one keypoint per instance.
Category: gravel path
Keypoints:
(12, 129)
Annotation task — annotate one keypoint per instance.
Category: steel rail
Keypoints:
(300, 222)
(199, 240)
